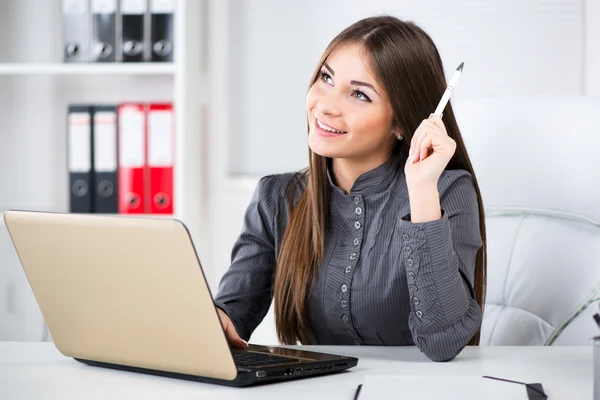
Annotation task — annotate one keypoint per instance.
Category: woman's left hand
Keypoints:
(430, 151)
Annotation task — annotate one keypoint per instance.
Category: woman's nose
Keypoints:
(327, 105)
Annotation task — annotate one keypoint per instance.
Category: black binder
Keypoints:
(75, 30)
(104, 30)
(162, 14)
(134, 40)
(80, 158)
(104, 134)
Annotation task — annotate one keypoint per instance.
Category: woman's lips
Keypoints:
(324, 132)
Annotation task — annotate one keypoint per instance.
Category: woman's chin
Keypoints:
(319, 145)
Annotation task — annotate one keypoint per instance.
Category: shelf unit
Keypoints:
(39, 84)
(35, 90)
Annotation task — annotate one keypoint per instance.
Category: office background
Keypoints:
(238, 83)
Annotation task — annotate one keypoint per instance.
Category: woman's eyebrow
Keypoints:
(359, 83)
(329, 68)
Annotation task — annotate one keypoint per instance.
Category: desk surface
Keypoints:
(38, 370)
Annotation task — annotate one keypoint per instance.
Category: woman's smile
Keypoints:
(326, 130)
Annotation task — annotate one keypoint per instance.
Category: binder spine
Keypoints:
(133, 43)
(104, 30)
(75, 31)
(105, 159)
(132, 168)
(160, 144)
(162, 14)
(80, 159)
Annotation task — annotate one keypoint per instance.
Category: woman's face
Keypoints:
(347, 99)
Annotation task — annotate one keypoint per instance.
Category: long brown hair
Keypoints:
(410, 69)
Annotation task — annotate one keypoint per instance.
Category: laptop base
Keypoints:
(245, 377)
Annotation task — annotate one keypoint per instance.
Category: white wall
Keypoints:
(508, 46)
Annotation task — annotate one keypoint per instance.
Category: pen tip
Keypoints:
(460, 67)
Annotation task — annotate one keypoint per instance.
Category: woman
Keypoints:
(381, 241)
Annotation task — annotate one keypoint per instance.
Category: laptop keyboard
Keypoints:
(251, 359)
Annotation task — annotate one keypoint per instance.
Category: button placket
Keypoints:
(357, 228)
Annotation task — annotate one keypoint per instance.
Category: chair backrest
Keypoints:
(536, 160)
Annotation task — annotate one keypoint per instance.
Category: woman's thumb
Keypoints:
(234, 338)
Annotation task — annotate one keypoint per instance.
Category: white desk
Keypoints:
(39, 371)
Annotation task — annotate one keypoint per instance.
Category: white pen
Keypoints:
(446, 96)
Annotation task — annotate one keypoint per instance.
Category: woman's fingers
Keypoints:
(230, 332)
(437, 121)
(426, 128)
(416, 141)
(424, 147)
(234, 338)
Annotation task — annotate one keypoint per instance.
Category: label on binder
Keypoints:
(70, 7)
(131, 138)
(104, 6)
(133, 6)
(162, 6)
(79, 142)
(105, 141)
(160, 143)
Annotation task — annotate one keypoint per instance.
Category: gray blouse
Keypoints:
(384, 280)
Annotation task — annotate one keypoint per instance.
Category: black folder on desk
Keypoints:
(535, 391)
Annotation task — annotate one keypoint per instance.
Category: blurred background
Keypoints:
(231, 76)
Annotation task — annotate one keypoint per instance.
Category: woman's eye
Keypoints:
(361, 96)
(325, 76)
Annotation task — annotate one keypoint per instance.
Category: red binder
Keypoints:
(132, 170)
(160, 139)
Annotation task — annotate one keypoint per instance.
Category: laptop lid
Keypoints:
(122, 290)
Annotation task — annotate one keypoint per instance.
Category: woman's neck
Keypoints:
(347, 170)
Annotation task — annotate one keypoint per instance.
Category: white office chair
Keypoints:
(537, 163)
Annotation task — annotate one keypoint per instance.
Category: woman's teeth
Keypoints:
(325, 127)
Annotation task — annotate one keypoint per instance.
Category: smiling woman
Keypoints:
(381, 240)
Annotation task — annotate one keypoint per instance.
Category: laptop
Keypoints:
(129, 293)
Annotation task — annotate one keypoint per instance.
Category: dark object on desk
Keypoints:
(144, 305)
(597, 319)
(535, 391)
(357, 392)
